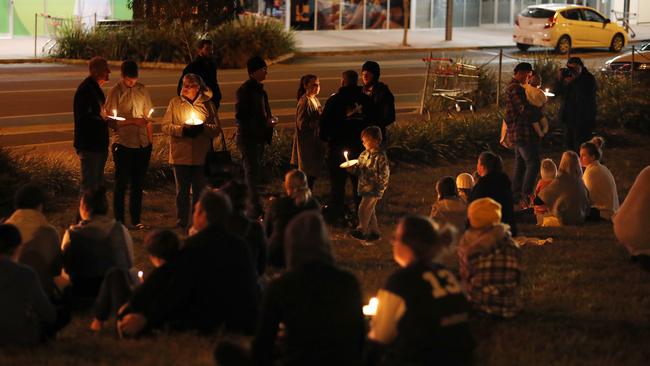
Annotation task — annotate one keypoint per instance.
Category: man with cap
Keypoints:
(578, 111)
(254, 127)
(91, 124)
(205, 66)
(519, 116)
(382, 98)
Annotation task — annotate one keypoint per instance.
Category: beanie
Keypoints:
(255, 63)
(464, 181)
(373, 67)
(484, 212)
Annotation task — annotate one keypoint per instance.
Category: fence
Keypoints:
(51, 25)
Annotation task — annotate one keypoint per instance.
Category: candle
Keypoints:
(546, 90)
(115, 117)
(150, 113)
(371, 308)
(193, 120)
(140, 275)
(114, 112)
(345, 154)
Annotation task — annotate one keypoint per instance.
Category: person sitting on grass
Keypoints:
(249, 230)
(120, 287)
(599, 182)
(213, 282)
(449, 208)
(282, 210)
(40, 247)
(318, 304)
(26, 314)
(94, 246)
(632, 220)
(422, 314)
(548, 171)
(490, 262)
(464, 183)
(495, 184)
(566, 197)
(373, 171)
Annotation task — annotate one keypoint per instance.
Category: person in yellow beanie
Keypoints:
(490, 262)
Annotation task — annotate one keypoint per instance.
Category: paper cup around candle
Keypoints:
(549, 94)
(349, 163)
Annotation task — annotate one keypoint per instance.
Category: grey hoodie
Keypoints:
(24, 305)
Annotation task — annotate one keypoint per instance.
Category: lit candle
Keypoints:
(345, 154)
(140, 275)
(371, 308)
(150, 113)
(114, 112)
(546, 90)
(193, 120)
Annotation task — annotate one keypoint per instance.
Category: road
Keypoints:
(36, 99)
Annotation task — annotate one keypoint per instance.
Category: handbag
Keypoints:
(218, 163)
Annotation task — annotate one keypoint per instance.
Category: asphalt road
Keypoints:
(36, 99)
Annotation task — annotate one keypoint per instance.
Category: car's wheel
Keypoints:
(523, 47)
(563, 45)
(617, 43)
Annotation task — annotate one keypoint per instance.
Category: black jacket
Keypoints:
(384, 105)
(206, 68)
(497, 185)
(252, 110)
(90, 129)
(579, 102)
(345, 115)
(213, 283)
(320, 307)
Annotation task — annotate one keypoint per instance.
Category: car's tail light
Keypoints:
(550, 22)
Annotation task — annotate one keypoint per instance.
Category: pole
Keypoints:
(426, 83)
(632, 65)
(35, 33)
(449, 21)
(499, 76)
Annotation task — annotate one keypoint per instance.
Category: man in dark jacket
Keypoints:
(205, 66)
(578, 112)
(91, 124)
(213, 283)
(345, 115)
(383, 99)
(254, 127)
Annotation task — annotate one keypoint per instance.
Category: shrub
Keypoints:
(235, 42)
(622, 103)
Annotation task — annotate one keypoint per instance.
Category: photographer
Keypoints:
(578, 112)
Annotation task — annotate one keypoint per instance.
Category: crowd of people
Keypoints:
(272, 275)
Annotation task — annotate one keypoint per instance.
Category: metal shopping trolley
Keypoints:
(449, 84)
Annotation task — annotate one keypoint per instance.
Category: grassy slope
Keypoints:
(584, 302)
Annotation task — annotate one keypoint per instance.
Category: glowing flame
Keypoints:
(140, 275)
(371, 308)
(345, 154)
(150, 113)
(114, 112)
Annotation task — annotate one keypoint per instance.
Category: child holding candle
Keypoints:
(373, 172)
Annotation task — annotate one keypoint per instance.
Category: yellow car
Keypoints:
(564, 27)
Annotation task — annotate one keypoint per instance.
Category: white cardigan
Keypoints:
(602, 189)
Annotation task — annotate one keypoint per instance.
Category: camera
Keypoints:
(566, 72)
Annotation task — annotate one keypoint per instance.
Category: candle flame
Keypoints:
(150, 112)
(114, 112)
(371, 308)
(345, 154)
(193, 116)
(140, 274)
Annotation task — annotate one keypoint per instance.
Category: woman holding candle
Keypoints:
(191, 122)
(132, 140)
(308, 151)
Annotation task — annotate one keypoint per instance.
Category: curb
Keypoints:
(142, 65)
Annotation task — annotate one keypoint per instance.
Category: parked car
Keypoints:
(623, 63)
(563, 27)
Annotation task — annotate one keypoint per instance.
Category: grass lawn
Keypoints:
(585, 303)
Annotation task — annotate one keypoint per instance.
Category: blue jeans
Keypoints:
(526, 169)
(92, 168)
(187, 176)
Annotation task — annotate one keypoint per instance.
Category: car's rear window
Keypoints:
(537, 13)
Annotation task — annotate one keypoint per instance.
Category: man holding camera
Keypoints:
(578, 111)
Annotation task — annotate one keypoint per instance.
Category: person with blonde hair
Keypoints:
(298, 199)
(599, 182)
(566, 197)
(548, 171)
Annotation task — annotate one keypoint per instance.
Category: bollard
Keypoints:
(499, 76)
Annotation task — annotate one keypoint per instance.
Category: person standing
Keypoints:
(254, 127)
(344, 117)
(307, 152)
(578, 110)
(91, 124)
(205, 66)
(519, 116)
(132, 141)
(381, 96)
(189, 144)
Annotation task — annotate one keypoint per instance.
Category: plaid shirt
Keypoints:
(518, 118)
(491, 277)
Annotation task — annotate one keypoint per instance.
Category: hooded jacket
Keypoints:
(190, 150)
(24, 305)
(384, 103)
(579, 103)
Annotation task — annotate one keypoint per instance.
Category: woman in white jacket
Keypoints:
(599, 182)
